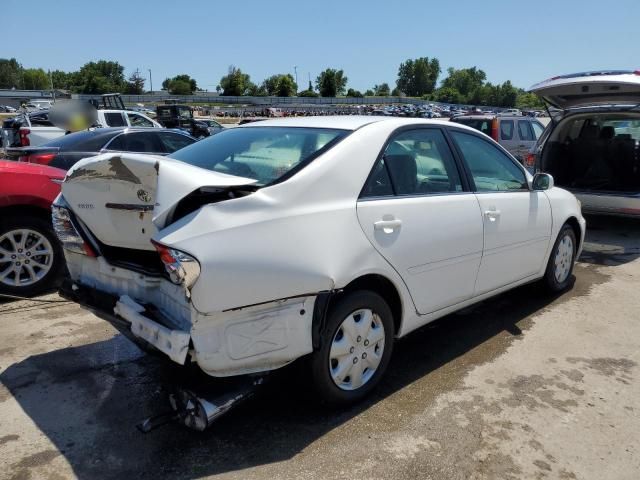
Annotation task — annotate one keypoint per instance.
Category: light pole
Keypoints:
(150, 81)
(295, 69)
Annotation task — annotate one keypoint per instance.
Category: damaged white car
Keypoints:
(320, 236)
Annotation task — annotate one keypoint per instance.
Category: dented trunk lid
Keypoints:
(124, 198)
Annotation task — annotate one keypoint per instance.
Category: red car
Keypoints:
(31, 258)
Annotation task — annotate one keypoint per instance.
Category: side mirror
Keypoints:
(542, 181)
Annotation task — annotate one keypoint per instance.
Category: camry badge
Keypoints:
(144, 196)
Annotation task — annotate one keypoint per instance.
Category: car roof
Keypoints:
(344, 122)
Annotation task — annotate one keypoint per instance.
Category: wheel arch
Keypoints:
(575, 225)
(373, 282)
(24, 209)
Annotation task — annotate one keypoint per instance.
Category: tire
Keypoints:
(37, 266)
(561, 261)
(345, 342)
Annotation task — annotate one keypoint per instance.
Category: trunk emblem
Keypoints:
(144, 196)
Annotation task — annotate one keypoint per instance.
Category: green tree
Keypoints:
(418, 77)
(465, 80)
(354, 93)
(99, 77)
(528, 100)
(180, 85)
(281, 85)
(382, 90)
(369, 93)
(331, 83)
(135, 84)
(35, 79)
(62, 80)
(10, 73)
(308, 93)
(448, 95)
(235, 83)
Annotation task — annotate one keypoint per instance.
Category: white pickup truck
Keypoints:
(35, 130)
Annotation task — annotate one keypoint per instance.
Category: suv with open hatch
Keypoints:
(592, 145)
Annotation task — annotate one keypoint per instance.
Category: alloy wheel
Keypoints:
(26, 256)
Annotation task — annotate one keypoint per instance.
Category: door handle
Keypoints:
(387, 226)
(492, 215)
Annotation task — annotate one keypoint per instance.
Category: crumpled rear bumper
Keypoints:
(246, 340)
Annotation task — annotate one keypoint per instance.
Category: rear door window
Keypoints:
(137, 120)
(506, 129)
(524, 131)
(537, 129)
(139, 142)
(174, 141)
(115, 119)
(415, 162)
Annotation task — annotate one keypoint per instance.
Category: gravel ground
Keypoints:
(525, 385)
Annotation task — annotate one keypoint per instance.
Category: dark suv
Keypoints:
(181, 116)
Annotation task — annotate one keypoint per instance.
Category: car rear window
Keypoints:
(265, 154)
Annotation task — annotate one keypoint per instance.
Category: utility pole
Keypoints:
(150, 81)
(295, 69)
(53, 92)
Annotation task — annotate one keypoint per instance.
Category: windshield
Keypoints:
(265, 154)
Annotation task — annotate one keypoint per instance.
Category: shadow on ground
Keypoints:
(611, 240)
(87, 399)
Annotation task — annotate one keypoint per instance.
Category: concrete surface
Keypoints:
(526, 385)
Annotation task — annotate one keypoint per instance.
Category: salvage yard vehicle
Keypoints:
(36, 129)
(592, 145)
(517, 134)
(31, 259)
(325, 237)
(65, 151)
(178, 116)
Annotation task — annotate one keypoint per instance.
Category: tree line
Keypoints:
(416, 78)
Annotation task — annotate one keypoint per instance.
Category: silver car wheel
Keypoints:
(26, 256)
(356, 349)
(563, 259)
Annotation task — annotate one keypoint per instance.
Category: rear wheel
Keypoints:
(356, 347)
(562, 259)
(30, 256)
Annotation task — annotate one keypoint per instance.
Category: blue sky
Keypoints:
(521, 41)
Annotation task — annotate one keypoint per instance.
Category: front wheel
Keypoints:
(355, 349)
(562, 260)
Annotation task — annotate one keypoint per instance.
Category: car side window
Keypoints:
(142, 142)
(174, 141)
(537, 129)
(506, 129)
(492, 169)
(524, 131)
(415, 162)
(114, 119)
(138, 120)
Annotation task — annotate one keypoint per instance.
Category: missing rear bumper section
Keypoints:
(243, 341)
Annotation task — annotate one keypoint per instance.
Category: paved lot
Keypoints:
(526, 385)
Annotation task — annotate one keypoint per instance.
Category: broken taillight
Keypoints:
(183, 269)
(67, 233)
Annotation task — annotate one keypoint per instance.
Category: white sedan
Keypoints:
(325, 237)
